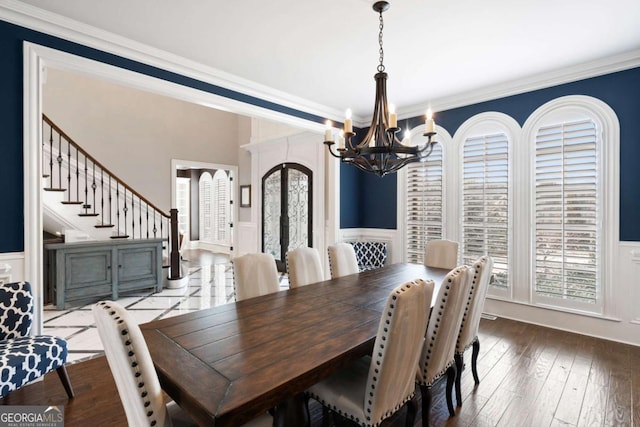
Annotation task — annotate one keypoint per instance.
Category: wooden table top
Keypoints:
(230, 363)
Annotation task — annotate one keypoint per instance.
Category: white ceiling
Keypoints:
(327, 52)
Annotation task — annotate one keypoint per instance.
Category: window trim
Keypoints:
(608, 127)
(490, 122)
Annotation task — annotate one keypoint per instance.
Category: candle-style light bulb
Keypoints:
(407, 137)
(393, 117)
(348, 124)
(341, 140)
(328, 134)
(430, 124)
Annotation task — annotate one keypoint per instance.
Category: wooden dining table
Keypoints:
(228, 364)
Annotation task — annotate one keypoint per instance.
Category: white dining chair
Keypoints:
(375, 387)
(304, 267)
(254, 275)
(342, 260)
(441, 254)
(468, 335)
(437, 356)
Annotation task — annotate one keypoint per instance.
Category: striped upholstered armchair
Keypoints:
(24, 358)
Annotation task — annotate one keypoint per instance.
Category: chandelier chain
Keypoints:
(381, 65)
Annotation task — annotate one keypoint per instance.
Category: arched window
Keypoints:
(574, 142)
(205, 215)
(221, 207)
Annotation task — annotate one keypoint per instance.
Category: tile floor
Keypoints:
(210, 284)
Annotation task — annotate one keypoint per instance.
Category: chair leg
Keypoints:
(459, 358)
(451, 378)
(412, 409)
(474, 360)
(425, 391)
(64, 378)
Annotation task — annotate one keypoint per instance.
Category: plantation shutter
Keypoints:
(485, 203)
(221, 200)
(206, 226)
(424, 204)
(566, 212)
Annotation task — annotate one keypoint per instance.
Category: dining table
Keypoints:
(228, 364)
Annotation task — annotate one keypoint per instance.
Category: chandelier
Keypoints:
(380, 151)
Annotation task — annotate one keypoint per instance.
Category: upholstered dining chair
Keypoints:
(441, 254)
(468, 335)
(342, 260)
(304, 267)
(24, 358)
(375, 387)
(436, 357)
(134, 374)
(254, 275)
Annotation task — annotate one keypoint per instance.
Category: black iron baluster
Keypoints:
(69, 170)
(86, 205)
(133, 218)
(102, 196)
(147, 220)
(59, 159)
(51, 158)
(155, 227)
(93, 187)
(78, 175)
(110, 205)
(125, 209)
(117, 208)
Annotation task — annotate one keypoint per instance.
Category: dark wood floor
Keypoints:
(530, 376)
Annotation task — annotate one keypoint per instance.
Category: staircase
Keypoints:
(89, 202)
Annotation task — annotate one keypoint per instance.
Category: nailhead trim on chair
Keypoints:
(126, 340)
(479, 267)
(425, 364)
(376, 358)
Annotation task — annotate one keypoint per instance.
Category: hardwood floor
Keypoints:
(530, 376)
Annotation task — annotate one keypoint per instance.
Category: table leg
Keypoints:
(293, 412)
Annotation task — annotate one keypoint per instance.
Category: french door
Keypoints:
(286, 210)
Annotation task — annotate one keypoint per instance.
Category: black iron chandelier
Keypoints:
(380, 151)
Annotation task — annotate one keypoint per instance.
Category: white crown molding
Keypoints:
(37, 19)
(599, 67)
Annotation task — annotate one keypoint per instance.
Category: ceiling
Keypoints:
(327, 52)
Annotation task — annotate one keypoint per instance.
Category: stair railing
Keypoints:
(101, 194)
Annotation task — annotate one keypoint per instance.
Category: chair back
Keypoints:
(471, 319)
(342, 260)
(304, 267)
(131, 365)
(254, 275)
(391, 380)
(441, 254)
(444, 325)
(16, 310)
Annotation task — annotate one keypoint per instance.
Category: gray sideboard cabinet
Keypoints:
(84, 272)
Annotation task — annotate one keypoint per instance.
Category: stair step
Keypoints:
(104, 226)
(54, 189)
(66, 202)
(88, 214)
(120, 236)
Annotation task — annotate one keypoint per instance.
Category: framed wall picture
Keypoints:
(245, 196)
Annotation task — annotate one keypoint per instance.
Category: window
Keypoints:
(424, 205)
(567, 236)
(485, 203)
(221, 207)
(205, 215)
(182, 203)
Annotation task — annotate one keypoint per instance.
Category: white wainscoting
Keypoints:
(247, 237)
(390, 237)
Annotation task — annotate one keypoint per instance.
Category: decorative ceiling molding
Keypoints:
(37, 19)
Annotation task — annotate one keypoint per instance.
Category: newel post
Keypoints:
(174, 272)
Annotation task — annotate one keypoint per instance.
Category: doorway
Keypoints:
(287, 218)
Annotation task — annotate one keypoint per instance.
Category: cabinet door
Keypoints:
(86, 274)
(137, 268)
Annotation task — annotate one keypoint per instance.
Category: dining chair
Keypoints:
(134, 374)
(375, 387)
(24, 358)
(441, 254)
(436, 358)
(342, 260)
(304, 267)
(254, 275)
(468, 335)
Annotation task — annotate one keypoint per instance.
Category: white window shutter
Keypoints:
(485, 203)
(566, 212)
(424, 204)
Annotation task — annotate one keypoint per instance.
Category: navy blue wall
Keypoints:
(11, 172)
(621, 91)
